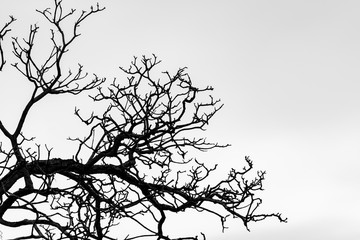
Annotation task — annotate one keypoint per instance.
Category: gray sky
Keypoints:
(287, 72)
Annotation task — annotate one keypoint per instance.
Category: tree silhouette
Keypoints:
(132, 165)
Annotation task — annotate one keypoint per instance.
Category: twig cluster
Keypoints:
(4, 30)
(133, 164)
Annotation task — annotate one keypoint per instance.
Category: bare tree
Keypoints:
(132, 165)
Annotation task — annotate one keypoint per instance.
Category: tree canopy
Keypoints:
(133, 164)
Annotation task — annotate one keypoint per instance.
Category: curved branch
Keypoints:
(133, 164)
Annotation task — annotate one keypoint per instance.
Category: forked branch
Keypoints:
(134, 164)
(4, 30)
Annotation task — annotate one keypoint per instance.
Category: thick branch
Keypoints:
(133, 163)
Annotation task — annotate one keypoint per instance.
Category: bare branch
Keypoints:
(134, 164)
(3, 32)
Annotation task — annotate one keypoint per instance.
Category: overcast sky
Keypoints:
(287, 72)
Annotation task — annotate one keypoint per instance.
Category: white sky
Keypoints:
(287, 72)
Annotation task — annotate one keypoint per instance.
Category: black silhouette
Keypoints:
(133, 163)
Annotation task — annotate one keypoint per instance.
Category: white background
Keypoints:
(287, 72)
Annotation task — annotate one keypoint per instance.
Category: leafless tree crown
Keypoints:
(132, 165)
